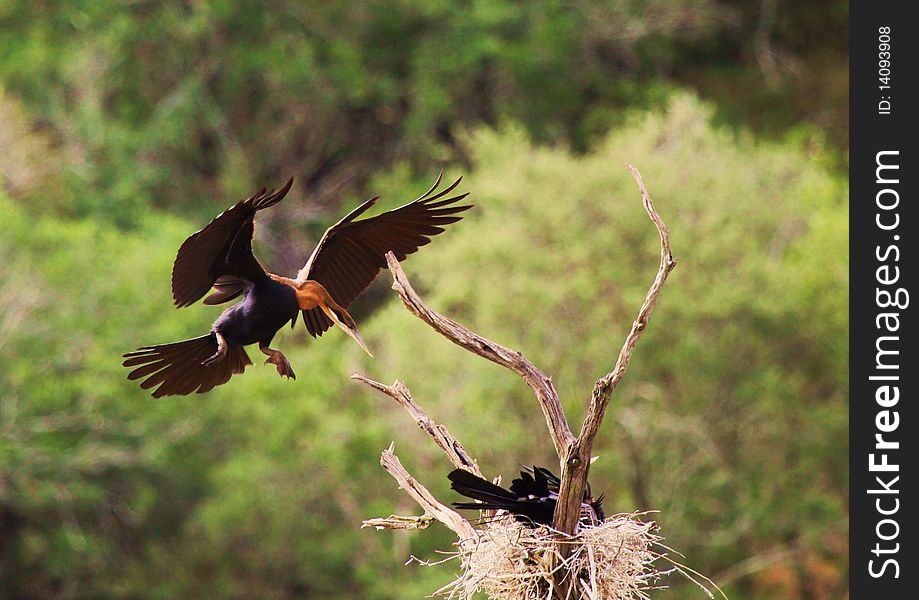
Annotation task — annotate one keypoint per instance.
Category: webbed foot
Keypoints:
(283, 365)
(221, 351)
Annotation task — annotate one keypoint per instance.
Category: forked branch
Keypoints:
(443, 438)
(541, 385)
(576, 463)
(420, 494)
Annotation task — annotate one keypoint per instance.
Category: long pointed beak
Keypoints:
(357, 338)
(350, 331)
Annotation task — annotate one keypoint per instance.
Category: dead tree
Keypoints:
(574, 451)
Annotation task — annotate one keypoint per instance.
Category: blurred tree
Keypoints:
(169, 103)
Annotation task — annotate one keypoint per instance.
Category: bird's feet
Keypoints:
(212, 359)
(221, 350)
(280, 361)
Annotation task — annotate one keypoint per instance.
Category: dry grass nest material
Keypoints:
(510, 561)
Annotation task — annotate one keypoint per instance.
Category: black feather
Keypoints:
(531, 499)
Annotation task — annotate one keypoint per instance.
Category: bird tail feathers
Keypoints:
(475, 487)
(176, 368)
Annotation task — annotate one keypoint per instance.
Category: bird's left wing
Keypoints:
(351, 253)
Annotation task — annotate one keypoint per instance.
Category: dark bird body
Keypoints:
(219, 258)
(531, 498)
(267, 307)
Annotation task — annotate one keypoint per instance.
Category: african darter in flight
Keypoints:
(344, 263)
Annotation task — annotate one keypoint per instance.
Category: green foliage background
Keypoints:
(123, 128)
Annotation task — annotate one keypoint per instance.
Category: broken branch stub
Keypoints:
(420, 494)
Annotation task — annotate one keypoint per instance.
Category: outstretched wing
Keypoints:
(351, 253)
(223, 250)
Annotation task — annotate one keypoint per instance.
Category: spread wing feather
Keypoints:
(226, 288)
(222, 248)
(351, 253)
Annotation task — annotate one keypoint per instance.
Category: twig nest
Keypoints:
(511, 561)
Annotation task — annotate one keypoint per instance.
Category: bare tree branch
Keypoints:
(540, 384)
(449, 517)
(443, 438)
(399, 522)
(576, 463)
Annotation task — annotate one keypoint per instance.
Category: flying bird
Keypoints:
(531, 498)
(219, 257)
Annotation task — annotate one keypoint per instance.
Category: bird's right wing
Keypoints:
(222, 248)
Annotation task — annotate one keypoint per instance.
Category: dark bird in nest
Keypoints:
(531, 499)
(347, 259)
